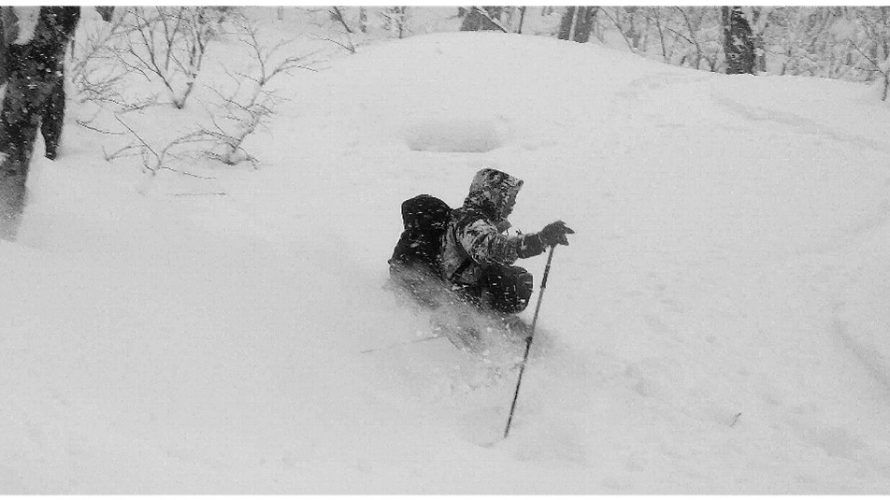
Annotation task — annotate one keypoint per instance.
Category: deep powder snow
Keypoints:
(717, 325)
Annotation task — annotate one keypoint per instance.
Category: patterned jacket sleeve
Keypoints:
(486, 245)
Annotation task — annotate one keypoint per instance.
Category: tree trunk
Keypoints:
(759, 44)
(521, 19)
(632, 32)
(34, 99)
(477, 19)
(566, 22)
(886, 86)
(337, 15)
(577, 24)
(737, 42)
(106, 12)
(657, 14)
(402, 11)
(645, 40)
(584, 23)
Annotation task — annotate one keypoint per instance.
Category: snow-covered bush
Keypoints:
(95, 71)
(155, 155)
(250, 103)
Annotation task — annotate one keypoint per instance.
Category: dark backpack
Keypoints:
(425, 218)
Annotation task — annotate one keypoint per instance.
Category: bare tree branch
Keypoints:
(338, 16)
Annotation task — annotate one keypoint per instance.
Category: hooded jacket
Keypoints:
(475, 239)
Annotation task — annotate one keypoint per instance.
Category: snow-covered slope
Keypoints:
(717, 325)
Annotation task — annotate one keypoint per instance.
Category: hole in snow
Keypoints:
(456, 135)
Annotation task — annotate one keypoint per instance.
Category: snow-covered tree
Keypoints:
(363, 19)
(759, 24)
(738, 45)
(577, 23)
(873, 45)
(482, 19)
(395, 19)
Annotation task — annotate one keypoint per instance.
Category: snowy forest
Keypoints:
(165, 47)
(200, 207)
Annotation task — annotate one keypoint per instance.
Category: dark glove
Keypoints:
(555, 234)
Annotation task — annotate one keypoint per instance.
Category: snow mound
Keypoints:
(456, 135)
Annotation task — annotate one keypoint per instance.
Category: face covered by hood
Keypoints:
(494, 193)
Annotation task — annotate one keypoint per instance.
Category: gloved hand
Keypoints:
(555, 234)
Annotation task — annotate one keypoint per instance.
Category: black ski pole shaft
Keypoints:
(528, 340)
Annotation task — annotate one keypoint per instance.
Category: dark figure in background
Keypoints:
(35, 98)
(477, 256)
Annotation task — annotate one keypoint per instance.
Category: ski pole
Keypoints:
(528, 340)
(400, 344)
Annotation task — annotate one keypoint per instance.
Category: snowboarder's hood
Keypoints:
(493, 193)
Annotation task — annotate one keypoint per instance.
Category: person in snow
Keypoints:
(477, 256)
(33, 58)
